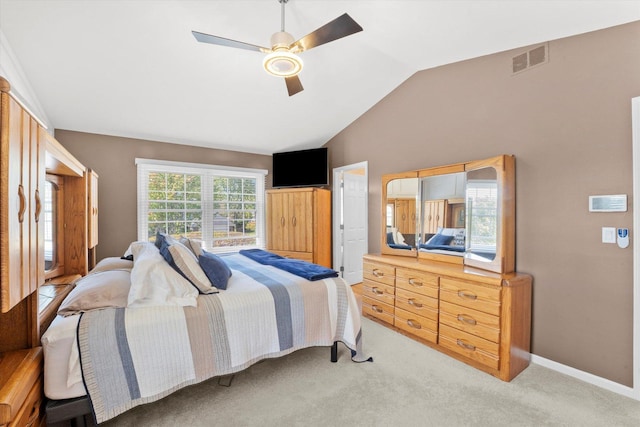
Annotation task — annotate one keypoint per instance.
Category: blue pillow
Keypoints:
(440, 240)
(390, 239)
(217, 271)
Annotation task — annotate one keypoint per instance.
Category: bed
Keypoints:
(134, 331)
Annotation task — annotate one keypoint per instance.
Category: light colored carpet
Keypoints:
(408, 384)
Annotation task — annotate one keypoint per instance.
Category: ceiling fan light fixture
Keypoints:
(282, 63)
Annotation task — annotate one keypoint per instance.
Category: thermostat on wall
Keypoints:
(608, 203)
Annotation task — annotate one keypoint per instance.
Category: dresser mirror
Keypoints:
(400, 213)
(461, 214)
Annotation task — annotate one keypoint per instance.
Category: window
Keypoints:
(222, 206)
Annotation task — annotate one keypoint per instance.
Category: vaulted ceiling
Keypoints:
(133, 68)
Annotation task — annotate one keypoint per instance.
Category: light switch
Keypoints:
(608, 234)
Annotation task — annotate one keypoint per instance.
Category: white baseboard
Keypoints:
(586, 377)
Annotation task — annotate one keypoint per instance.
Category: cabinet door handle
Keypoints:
(413, 302)
(467, 295)
(465, 345)
(38, 206)
(376, 309)
(377, 273)
(376, 291)
(414, 282)
(294, 221)
(414, 324)
(282, 221)
(23, 203)
(465, 319)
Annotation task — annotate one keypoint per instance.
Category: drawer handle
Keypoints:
(377, 273)
(467, 295)
(413, 302)
(376, 309)
(465, 345)
(469, 320)
(377, 291)
(414, 324)
(414, 282)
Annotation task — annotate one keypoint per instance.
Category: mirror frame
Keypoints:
(504, 261)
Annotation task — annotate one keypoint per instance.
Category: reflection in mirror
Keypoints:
(443, 214)
(53, 219)
(482, 214)
(401, 213)
(49, 222)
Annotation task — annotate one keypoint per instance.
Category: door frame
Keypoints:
(635, 130)
(337, 260)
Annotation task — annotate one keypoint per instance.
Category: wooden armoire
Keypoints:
(29, 158)
(299, 224)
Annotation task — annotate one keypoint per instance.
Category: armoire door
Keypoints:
(300, 221)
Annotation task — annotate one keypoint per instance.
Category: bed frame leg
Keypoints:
(334, 352)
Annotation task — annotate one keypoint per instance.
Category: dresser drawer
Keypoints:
(420, 326)
(471, 346)
(472, 295)
(377, 309)
(378, 291)
(379, 273)
(417, 303)
(471, 321)
(417, 281)
(30, 411)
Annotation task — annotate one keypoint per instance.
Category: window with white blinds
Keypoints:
(482, 209)
(222, 206)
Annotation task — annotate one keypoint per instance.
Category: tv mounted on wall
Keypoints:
(303, 168)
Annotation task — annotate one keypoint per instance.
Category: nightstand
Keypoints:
(21, 388)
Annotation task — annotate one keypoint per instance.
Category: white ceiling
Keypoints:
(133, 69)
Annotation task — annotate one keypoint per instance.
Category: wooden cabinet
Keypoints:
(405, 215)
(92, 214)
(22, 175)
(433, 216)
(299, 224)
(21, 388)
(478, 317)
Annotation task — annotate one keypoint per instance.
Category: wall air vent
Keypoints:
(530, 59)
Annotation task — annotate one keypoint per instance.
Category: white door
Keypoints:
(350, 221)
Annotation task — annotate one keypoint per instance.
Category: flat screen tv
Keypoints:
(303, 168)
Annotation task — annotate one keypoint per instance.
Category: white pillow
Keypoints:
(112, 263)
(97, 290)
(154, 282)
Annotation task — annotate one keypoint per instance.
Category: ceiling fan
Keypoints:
(281, 59)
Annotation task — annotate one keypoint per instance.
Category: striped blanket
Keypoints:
(131, 356)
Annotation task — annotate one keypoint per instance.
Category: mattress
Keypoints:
(61, 361)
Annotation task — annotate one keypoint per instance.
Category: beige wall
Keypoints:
(113, 158)
(568, 123)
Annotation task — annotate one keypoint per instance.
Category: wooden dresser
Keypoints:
(21, 385)
(478, 317)
(299, 224)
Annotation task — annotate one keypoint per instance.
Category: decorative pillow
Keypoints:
(399, 238)
(216, 269)
(112, 263)
(109, 288)
(187, 263)
(194, 245)
(164, 237)
(154, 282)
(440, 240)
(458, 237)
(390, 239)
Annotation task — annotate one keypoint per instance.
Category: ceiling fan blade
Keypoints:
(340, 27)
(208, 38)
(293, 85)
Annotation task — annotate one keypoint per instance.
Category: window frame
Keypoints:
(207, 173)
